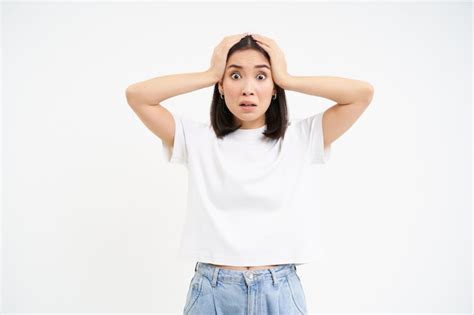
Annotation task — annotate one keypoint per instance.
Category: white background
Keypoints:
(92, 213)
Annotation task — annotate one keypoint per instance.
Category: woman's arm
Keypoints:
(341, 90)
(145, 97)
(158, 89)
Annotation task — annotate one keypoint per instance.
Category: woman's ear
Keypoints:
(219, 86)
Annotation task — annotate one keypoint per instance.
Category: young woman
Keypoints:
(248, 222)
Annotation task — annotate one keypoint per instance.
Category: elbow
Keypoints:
(130, 89)
(368, 92)
(371, 93)
(130, 95)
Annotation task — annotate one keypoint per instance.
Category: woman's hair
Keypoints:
(276, 116)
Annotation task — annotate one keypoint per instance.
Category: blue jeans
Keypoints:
(218, 291)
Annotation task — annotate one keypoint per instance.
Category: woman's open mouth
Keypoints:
(248, 107)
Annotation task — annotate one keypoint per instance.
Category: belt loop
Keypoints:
(196, 267)
(214, 276)
(294, 267)
(273, 276)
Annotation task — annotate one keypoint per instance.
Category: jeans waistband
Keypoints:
(248, 277)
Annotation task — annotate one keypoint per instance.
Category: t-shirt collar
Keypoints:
(248, 134)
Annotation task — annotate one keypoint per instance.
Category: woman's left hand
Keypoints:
(278, 63)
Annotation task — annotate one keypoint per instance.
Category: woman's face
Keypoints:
(246, 80)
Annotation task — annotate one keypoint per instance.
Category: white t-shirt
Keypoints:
(249, 198)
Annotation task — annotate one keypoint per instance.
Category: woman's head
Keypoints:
(248, 78)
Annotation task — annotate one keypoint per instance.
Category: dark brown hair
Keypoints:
(276, 116)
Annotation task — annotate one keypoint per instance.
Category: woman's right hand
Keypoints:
(219, 56)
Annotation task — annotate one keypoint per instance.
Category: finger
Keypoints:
(262, 37)
(264, 47)
(232, 39)
(262, 43)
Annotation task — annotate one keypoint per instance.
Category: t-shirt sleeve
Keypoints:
(310, 131)
(178, 153)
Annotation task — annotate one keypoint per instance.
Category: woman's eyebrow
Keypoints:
(240, 67)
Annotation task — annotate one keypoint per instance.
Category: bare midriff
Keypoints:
(244, 267)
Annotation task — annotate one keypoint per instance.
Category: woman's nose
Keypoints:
(248, 88)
